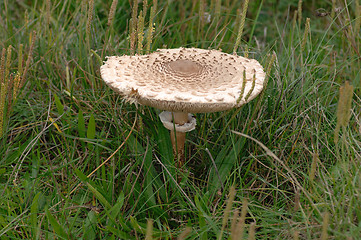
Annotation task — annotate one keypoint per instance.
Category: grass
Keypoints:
(77, 162)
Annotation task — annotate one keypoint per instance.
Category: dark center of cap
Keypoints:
(184, 66)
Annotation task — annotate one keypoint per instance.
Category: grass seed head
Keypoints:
(343, 108)
(112, 12)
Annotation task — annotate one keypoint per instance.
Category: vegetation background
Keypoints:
(77, 162)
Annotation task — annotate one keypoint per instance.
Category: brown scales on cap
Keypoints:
(182, 81)
(187, 80)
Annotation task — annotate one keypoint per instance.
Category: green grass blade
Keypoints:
(225, 161)
(34, 216)
(90, 226)
(81, 124)
(94, 189)
(115, 210)
(91, 129)
(58, 229)
(59, 105)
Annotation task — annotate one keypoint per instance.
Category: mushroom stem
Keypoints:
(178, 138)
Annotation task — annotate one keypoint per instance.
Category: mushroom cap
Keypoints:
(185, 79)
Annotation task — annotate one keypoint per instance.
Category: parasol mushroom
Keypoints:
(183, 81)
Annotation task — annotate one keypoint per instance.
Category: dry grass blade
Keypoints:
(292, 177)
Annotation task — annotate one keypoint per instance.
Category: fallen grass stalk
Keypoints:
(292, 179)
